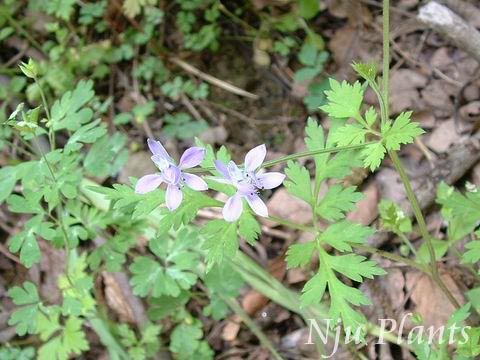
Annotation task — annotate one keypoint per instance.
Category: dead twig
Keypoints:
(452, 27)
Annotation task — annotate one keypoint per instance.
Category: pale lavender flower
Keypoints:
(172, 174)
(248, 183)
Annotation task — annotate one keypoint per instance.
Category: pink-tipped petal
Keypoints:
(255, 157)
(173, 197)
(157, 149)
(270, 180)
(148, 183)
(194, 182)
(192, 157)
(257, 205)
(233, 208)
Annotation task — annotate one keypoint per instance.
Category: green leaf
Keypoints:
(308, 54)
(249, 228)
(185, 339)
(341, 295)
(368, 71)
(356, 267)
(299, 255)
(344, 100)
(373, 155)
(306, 73)
(472, 255)
(315, 140)
(402, 131)
(221, 241)
(308, 8)
(338, 201)
(25, 318)
(72, 339)
(371, 116)
(70, 105)
(148, 277)
(26, 242)
(298, 183)
(350, 134)
(393, 217)
(27, 204)
(88, 133)
(340, 234)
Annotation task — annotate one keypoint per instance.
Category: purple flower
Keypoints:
(172, 174)
(248, 183)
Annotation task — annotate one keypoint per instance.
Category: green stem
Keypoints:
(398, 164)
(295, 156)
(292, 225)
(51, 135)
(422, 225)
(312, 153)
(390, 256)
(386, 55)
(407, 242)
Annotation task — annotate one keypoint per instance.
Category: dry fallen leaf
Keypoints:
(443, 136)
(288, 207)
(116, 300)
(367, 208)
(430, 301)
(231, 328)
(406, 96)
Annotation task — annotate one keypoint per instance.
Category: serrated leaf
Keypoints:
(298, 181)
(249, 228)
(371, 116)
(340, 234)
(72, 340)
(373, 155)
(401, 131)
(338, 201)
(356, 267)
(185, 339)
(221, 241)
(472, 255)
(368, 71)
(299, 255)
(350, 134)
(25, 318)
(344, 100)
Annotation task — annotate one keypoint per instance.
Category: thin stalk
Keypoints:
(390, 256)
(295, 156)
(408, 243)
(51, 134)
(386, 55)
(398, 164)
(422, 225)
(292, 225)
(303, 154)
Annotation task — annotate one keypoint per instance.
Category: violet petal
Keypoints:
(233, 208)
(255, 157)
(173, 197)
(269, 180)
(257, 205)
(157, 149)
(148, 183)
(192, 157)
(194, 182)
